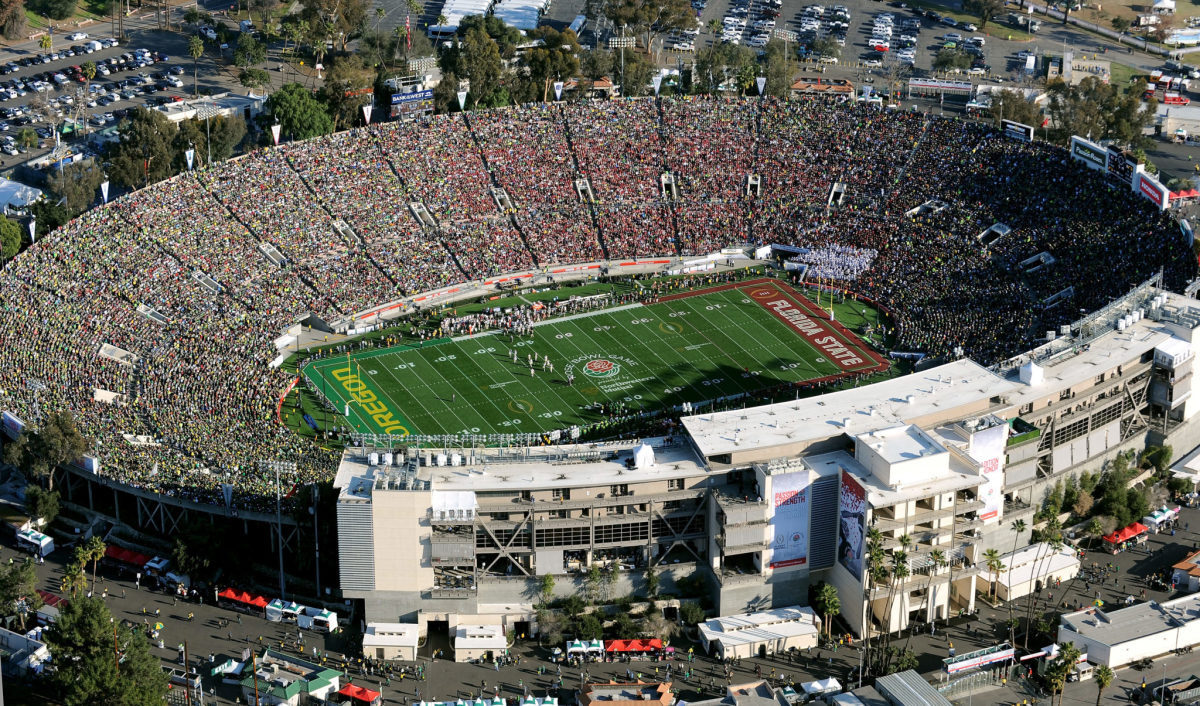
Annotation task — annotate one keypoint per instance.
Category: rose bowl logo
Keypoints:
(601, 368)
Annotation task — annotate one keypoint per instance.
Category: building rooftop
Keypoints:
(628, 693)
(1134, 622)
(959, 477)
(1190, 565)
(533, 468)
(391, 635)
(1030, 563)
(889, 403)
(767, 625)
(900, 444)
(909, 689)
(485, 637)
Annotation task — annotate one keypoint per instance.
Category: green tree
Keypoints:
(12, 234)
(227, 132)
(88, 674)
(345, 18)
(589, 627)
(254, 78)
(1120, 24)
(480, 60)
(27, 138)
(636, 78)
(550, 624)
(56, 9)
(195, 50)
(445, 94)
(46, 42)
(249, 51)
(143, 154)
(654, 17)
(545, 588)
(692, 613)
(593, 581)
(93, 550)
(58, 441)
(1104, 678)
(994, 565)
(299, 112)
(985, 10)
(951, 59)
(1099, 110)
(88, 68)
(76, 185)
(41, 503)
(777, 68)
(826, 46)
(348, 87)
(1061, 667)
(653, 583)
(828, 604)
(12, 18)
(716, 64)
(74, 579)
(596, 63)
(557, 59)
(18, 589)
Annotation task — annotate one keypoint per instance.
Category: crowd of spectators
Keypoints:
(153, 319)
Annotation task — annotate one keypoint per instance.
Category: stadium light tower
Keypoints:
(288, 467)
(622, 42)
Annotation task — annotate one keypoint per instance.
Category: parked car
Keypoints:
(76, 36)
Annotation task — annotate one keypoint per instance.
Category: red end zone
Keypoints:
(807, 320)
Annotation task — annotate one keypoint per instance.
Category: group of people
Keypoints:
(153, 319)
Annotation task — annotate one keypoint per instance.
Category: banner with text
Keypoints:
(1091, 154)
(789, 522)
(987, 448)
(852, 507)
(1153, 190)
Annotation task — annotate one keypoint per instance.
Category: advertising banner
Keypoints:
(13, 425)
(1153, 190)
(1119, 166)
(406, 105)
(852, 508)
(1017, 131)
(1092, 155)
(789, 523)
(987, 448)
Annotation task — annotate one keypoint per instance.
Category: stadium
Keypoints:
(206, 330)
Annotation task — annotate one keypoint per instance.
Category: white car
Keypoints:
(828, 60)
(677, 46)
(208, 33)
(76, 36)
(873, 63)
(977, 71)
(977, 41)
(970, 27)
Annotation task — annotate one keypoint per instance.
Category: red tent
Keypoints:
(360, 693)
(50, 599)
(1126, 533)
(632, 645)
(236, 596)
(126, 556)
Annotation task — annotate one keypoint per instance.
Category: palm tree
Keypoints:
(195, 50)
(93, 550)
(829, 605)
(938, 557)
(1051, 536)
(994, 566)
(74, 580)
(1018, 528)
(414, 7)
(1104, 677)
(46, 42)
(380, 13)
(1061, 668)
(441, 20)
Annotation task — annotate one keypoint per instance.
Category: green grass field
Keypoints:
(695, 347)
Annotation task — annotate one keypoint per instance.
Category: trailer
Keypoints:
(305, 617)
(34, 542)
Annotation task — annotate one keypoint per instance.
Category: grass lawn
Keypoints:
(1123, 74)
(699, 347)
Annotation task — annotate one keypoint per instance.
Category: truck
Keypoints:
(93, 46)
(1024, 21)
(305, 617)
(34, 542)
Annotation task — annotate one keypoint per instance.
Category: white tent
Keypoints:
(15, 195)
(1164, 6)
(643, 457)
(822, 686)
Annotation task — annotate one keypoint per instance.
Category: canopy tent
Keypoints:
(595, 646)
(242, 597)
(50, 599)
(575, 646)
(125, 556)
(822, 686)
(632, 645)
(1185, 194)
(1126, 533)
(360, 693)
(1164, 6)
(15, 195)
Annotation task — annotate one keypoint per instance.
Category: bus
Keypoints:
(577, 24)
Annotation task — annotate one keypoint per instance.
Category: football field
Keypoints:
(695, 347)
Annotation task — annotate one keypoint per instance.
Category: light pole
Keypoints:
(278, 466)
(207, 111)
(621, 43)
